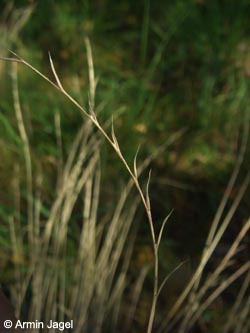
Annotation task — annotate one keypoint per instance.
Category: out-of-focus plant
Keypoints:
(12, 21)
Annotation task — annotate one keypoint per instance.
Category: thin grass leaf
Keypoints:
(162, 227)
(135, 164)
(114, 139)
(168, 276)
(55, 74)
(92, 81)
(147, 191)
(91, 111)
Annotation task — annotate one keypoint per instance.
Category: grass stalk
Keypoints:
(112, 140)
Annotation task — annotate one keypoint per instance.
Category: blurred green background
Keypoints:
(163, 66)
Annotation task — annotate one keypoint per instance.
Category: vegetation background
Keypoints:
(166, 69)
